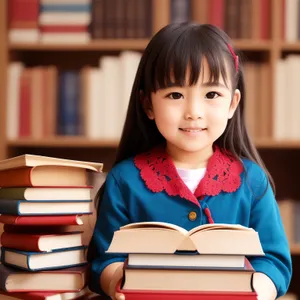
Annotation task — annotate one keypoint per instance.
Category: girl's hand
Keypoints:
(264, 287)
(117, 276)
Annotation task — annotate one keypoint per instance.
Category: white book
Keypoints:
(65, 38)
(186, 260)
(23, 35)
(279, 106)
(95, 113)
(129, 62)
(112, 96)
(291, 97)
(291, 20)
(72, 18)
(13, 97)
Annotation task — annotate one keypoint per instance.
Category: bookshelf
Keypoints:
(273, 152)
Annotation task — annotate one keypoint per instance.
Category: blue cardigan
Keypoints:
(127, 198)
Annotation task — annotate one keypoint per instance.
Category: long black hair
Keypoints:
(170, 52)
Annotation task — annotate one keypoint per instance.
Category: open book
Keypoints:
(29, 160)
(160, 237)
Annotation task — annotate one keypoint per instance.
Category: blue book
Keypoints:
(40, 261)
(65, 8)
(29, 208)
(69, 119)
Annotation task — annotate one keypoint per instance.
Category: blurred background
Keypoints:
(67, 68)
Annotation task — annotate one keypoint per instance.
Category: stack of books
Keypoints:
(65, 21)
(166, 261)
(42, 256)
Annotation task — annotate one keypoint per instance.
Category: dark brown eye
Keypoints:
(175, 96)
(212, 95)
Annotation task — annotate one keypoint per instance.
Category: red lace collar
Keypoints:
(159, 174)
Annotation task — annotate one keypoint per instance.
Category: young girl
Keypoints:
(185, 156)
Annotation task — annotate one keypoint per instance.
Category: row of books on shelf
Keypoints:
(52, 21)
(273, 117)
(240, 19)
(42, 206)
(286, 103)
(44, 102)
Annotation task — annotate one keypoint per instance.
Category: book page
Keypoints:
(219, 226)
(154, 225)
(30, 160)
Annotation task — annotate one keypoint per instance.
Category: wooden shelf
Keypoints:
(295, 249)
(96, 45)
(63, 141)
(274, 144)
(290, 46)
(123, 44)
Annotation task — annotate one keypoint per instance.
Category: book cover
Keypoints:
(21, 221)
(41, 261)
(41, 242)
(69, 279)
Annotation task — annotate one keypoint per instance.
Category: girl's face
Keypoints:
(191, 118)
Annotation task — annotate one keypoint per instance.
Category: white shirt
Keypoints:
(191, 177)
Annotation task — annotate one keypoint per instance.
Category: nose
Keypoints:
(194, 108)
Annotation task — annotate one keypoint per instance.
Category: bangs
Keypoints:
(186, 52)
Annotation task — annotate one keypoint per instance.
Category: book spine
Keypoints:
(69, 93)
(65, 8)
(20, 241)
(97, 25)
(16, 178)
(21, 222)
(9, 207)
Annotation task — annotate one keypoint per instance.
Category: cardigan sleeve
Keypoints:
(112, 214)
(265, 219)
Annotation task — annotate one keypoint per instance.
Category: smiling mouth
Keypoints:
(192, 130)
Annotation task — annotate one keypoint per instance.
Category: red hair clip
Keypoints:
(235, 57)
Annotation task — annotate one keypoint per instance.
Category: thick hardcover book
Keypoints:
(43, 176)
(184, 295)
(40, 220)
(41, 242)
(40, 261)
(70, 279)
(24, 207)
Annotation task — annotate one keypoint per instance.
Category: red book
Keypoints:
(265, 19)
(23, 11)
(63, 29)
(25, 103)
(184, 295)
(216, 13)
(41, 242)
(42, 176)
(41, 220)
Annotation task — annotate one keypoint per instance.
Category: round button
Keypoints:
(192, 216)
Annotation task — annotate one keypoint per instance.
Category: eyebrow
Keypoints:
(212, 84)
(204, 84)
